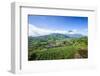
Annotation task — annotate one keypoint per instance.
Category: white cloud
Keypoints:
(85, 32)
(35, 31)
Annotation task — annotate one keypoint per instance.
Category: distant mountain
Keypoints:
(74, 35)
(53, 36)
(56, 36)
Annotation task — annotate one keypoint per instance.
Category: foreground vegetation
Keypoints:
(57, 47)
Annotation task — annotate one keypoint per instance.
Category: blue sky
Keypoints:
(61, 23)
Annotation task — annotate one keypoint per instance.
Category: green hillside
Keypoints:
(57, 46)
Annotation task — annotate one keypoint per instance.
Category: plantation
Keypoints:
(57, 46)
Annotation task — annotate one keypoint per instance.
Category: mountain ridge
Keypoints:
(56, 36)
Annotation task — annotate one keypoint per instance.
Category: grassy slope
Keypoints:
(74, 48)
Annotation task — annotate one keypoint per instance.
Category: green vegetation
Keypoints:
(57, 46)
